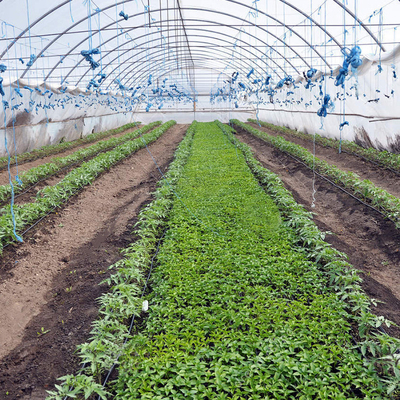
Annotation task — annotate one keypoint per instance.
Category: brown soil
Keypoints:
(29, 194)
(379, 176)
(370, 241)
(50, 283)
(4, 179)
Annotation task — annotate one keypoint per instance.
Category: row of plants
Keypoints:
(238, 309)
(381, 350)
(388, 204)
(63, 146)
(110, 332)
(384, 158)
(56, 164)
(52, 196)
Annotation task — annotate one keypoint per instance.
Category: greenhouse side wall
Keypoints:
(33, 116)
(370, 107)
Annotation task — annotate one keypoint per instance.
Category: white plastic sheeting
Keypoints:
(369, 102)
(75, 66)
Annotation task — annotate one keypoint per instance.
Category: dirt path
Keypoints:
(371, 242)
(4, 179)
(51, 280)
(346, 162)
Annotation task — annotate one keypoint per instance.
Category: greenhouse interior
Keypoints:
(199, 199)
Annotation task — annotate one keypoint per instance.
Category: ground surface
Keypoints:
(51, 280)
(4, 178)
(371, 242)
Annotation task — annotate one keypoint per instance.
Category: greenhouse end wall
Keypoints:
(31, 121)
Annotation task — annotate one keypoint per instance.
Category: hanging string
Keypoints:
(70, 11)
(342, 81)
(394, 55)
(17, 237)
(310, 75)
(13, 117)
(380, 40)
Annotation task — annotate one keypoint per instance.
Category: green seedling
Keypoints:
(43, 331)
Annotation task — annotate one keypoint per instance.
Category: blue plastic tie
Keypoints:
(32, 59)
(311, 73)
(352, 58)
(124, 16)
(1, 87)
(88, 57)
(323, 111)
(101, 78)
(250, 73)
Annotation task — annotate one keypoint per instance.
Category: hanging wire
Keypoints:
(17, 237)
(13, 117)
(314, 191)
(343, 104)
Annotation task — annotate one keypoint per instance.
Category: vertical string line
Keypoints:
(13, 116)
(311, 63)
(344, 83)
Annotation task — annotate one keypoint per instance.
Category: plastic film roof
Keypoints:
(198, 45)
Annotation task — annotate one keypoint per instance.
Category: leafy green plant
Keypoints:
(36, 174)
(342, 276)
(60, 147)
(53, 196)
(110, 331)
(388, 204)
(384, 158)
(43, 331)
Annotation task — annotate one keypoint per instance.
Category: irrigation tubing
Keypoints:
(377, 163)
(339, 187)
(332, 183)
(354, 197)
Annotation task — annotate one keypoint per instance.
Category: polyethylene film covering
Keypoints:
(72, 67)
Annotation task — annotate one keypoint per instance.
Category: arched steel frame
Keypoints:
(188, 29)
(195, 20)
(164, 49)
(156, 63)
(253, 9)
(191, 9)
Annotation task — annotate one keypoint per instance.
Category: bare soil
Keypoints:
(49, 284)
(379, 176)
(4, 178)
(29, 194)
(371, 242)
